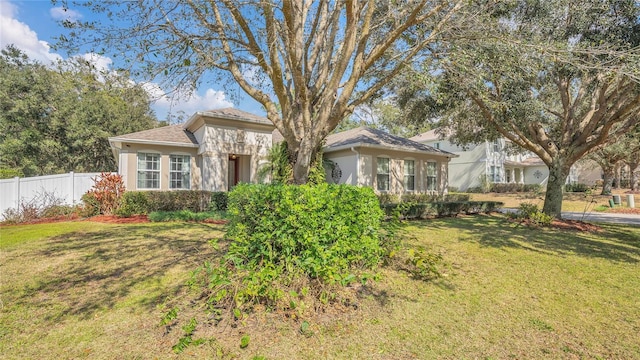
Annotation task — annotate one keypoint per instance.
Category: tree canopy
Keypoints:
(309, 63)
(555, 77)
(58, 119)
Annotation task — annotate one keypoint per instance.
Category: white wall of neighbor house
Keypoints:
(536, 174)
(128, 167)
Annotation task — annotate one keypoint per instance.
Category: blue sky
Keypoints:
(32, 27)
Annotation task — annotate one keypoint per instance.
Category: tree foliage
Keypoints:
(309, 63)
(55, 120)
(555, 77)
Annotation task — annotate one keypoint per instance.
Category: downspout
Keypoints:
(357, 166)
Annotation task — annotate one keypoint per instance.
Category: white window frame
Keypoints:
(139, 170)
(408, 175)
(433, 176)
(379, 174)
(181, 173)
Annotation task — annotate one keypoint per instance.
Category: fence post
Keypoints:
(73, 188)
(17, 191)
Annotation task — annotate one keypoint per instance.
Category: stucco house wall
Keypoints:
(355, 155)
(228, 146)
(129, 167)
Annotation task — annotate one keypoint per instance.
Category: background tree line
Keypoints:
(55, 119)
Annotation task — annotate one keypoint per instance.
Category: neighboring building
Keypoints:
(214, 150)
(489, 160)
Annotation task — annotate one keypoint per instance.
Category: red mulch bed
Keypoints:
(112, 219)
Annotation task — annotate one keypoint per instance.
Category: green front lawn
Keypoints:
(87, 290)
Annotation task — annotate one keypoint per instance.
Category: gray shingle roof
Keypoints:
(430, 136)
(233, 113)
(170, 134)
(367, 137)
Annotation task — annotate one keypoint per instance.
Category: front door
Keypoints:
(233, 172)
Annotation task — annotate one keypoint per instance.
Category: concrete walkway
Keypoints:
(628, 219)
(593, 216)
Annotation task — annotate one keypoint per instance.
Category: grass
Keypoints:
(575, 202)
(99, 291)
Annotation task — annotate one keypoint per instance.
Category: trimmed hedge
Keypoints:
(578, 187)
(321, 230)
(386, 199)
(440, 209)
(144, 202)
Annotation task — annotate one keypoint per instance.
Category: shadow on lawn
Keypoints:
(613, 243)
(120, 265)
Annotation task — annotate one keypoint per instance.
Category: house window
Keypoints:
(148, 171)
(496, 145)
(409, 175)
(437, 145)
(179, 171)
(431, 176)
(495, 174)
(382, 174)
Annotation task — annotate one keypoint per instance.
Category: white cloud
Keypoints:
(101, 63)
(165, 105)
(60, 13)
(13, 31)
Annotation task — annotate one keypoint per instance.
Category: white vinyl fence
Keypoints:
(68, 187)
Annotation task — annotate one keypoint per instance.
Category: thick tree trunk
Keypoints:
(558, 173)
(302, 158)
(607, 180)
(617, 177)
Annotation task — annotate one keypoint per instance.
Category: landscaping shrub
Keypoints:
(106, 192)
(386, 198)
(90, 205)
(440, 209)
(194, 200)
(457, 197)
(219, 200)
(530, 214)
(322, 230)
(133, 203)
(289, 241)
(144, 202)
(577, 187)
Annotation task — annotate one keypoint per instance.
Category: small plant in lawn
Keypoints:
(187, 339)
(529, 213)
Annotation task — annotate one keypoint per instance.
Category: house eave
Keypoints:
(151, 142)
(382, 147)
(207, 114)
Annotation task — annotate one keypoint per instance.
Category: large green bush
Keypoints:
(320, 230)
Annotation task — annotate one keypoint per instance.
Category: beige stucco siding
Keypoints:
(129, 164)
(368, 158)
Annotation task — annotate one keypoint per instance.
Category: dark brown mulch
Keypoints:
(576, 225)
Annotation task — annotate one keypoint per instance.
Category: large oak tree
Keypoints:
(555, 77)
(309, 63)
